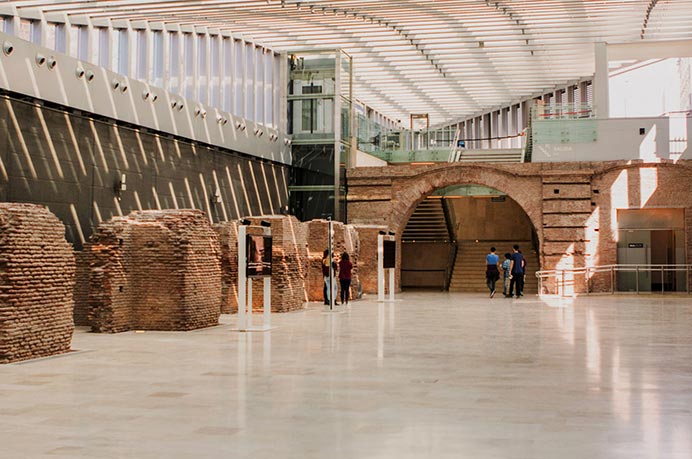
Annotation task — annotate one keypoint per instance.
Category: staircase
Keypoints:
(497, 155)
(469, 269)
(428, 223)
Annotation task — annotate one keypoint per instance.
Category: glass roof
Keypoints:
(447, 58)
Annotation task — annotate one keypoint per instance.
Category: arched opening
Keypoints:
(447, 236)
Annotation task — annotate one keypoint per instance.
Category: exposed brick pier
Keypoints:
(36, 282)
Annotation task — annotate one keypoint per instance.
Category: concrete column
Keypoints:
(600, 83)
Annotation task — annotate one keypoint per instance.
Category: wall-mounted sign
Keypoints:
(635, 245)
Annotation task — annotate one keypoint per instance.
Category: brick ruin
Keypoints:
(289, 264)
(367, 257)
(297, 256)
(153, 270)
(228, 240)
(346, 238)
(37, 272)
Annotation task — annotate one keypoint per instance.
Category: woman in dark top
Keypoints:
(345, 268)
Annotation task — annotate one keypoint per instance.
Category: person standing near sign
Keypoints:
(327, 281)
(345, 276)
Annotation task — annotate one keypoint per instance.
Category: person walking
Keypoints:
(505, 275)
(516, 269)
(345, 275)
(492, 273)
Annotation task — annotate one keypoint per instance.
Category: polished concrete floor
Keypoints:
(433, 375)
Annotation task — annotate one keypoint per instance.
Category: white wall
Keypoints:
(619, 138)
(651, 88)
(366, 160)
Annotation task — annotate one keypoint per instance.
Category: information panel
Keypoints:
(259, 256)
(389, 258)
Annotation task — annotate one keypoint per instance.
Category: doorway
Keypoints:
(651, 241)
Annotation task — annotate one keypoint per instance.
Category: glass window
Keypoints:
(82, 43)
(249, 90)
(104, 51)
(188, 65)
(259, 85)
(277, 91)
(238, 49)
(214, 75)
(157, 58)
(36, 32)
(227, 78)
(269, 88)
(123, 52)
(8, 25)
(174, 62)
(141, 56)
(202, 70)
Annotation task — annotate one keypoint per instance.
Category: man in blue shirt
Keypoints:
(492, 273)
(516, 270)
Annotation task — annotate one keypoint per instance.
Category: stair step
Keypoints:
(469, 267)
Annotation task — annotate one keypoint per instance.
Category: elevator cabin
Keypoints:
(651, 241)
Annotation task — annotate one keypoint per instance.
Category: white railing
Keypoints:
(660, 278)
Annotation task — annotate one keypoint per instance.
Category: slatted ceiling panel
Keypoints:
(448, 58)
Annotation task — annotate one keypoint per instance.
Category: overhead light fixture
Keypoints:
(245, 222)
(40, 59)
(79, 72)
(90, 76)
(52, 63)
(265, 224)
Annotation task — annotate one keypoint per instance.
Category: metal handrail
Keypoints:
(566, 281)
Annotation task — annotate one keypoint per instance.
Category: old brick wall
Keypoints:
(352, 242)
(570, 205)
(289, 263)
(81, 288)
(37, 271)
(648, 186)
(228, 239)
(317, 239)
(367, 257)
(154, 270)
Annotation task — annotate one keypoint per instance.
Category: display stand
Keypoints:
(245, 286)
(382, 267)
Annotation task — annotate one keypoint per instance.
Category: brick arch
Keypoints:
(524, 189)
